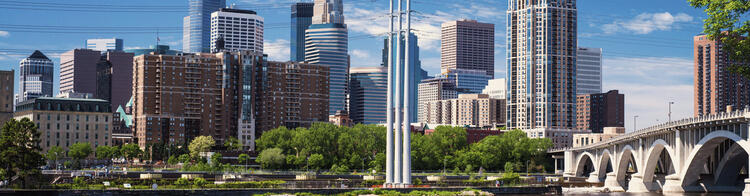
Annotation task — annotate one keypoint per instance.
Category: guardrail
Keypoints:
(740, 114)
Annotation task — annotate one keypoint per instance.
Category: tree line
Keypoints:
(325, 146)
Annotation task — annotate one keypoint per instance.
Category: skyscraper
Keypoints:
(121, 84)
(196, 27)
(716, 89)
(107, 76)
(326, 44)
(104, 44)
(468, 44)
(541, 51)
(417, 74)
(78, 71)
(328, 11)
(599, 110)
(236, 30)
(588, 70)
(302, 14)
(367, 94)
(6, 95)
(36, 76)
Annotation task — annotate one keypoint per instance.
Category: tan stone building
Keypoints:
(476, 110)
(65, 121)
(591, 138)
(6, 95)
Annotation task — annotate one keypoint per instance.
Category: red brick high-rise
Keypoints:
(596, 111)
(715, 87)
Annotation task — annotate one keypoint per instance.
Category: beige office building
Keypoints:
(592, 138)
(65, 121)
(475, 110)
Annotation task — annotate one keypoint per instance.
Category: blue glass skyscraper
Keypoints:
(327, 44)
(302, 14)
(418, 74)
(368, 88)
(196, 27)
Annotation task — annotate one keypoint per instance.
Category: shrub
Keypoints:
(182, 182)
(510, 178)
(200, 182)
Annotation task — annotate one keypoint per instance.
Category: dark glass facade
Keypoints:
(301, 19)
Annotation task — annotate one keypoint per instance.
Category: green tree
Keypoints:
(216, 160)
(201, 144)
(20, 150)
(233, 144)
(727, 22)
(79, 151)
(185, 158)
(130, 151)
(172, 160)
(244, 159)
(271, 158)
(316, 161)
(107, 152)
(55, 153)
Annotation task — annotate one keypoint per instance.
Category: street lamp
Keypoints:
(527, 168)
(635, 128)
(669, 115)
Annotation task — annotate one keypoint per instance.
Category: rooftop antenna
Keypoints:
(157, 37)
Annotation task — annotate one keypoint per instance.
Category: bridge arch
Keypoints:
(627, 155)
(581, 161)
(652, 158)
(605, 158)
(734, 160)
(702, 150)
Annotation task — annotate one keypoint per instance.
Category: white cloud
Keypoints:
(4, 34)
(359, 53)
(277, 50)
(137, 47)
(646, 23)
(648, 84)
(363, 58)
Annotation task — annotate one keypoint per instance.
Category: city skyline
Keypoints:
(636, 28)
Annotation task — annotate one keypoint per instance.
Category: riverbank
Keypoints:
(551, 190)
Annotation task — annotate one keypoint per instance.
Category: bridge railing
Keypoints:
(668, 125)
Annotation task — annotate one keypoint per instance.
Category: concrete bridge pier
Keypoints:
(672, 184)
(612, 184)
(746, 191)
(593, 177)
(637, 185)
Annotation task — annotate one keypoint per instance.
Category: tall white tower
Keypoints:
(541, 59)
(398, 138)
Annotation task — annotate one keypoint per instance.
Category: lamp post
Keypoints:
(669, 115)
(635, 118)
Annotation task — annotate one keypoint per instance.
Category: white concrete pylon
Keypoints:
(389, 108)
(398, 149)
(406, 149)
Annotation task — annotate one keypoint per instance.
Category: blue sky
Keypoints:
(647, 44)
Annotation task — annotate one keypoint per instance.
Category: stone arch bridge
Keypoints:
(702, 154)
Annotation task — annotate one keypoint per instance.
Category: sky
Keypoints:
(647, 44)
